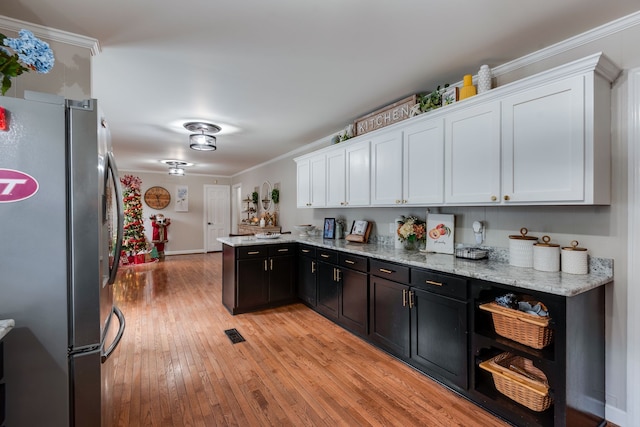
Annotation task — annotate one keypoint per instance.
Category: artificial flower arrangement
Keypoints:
(29, 53)
(412, 229)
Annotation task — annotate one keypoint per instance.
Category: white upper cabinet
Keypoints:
(423, 163)
(357, 174)
(311, 182)
(386, 169)
(336, 178)
(303, 183)
(472, 155)
(407, 167)
(550, 146)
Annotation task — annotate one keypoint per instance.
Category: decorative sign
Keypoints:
(16, 186)
(440, 230)
(182, 198)
(386, 116)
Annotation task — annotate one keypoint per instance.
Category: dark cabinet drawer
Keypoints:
(287, 249)
(388, 270)
(252, 251)
(354, 262)
(327, 255)
(306, 250)
(443, 284)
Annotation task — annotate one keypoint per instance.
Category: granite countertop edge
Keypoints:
(5, 326)
(557, 283)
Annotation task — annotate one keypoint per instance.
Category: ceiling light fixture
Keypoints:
(176, 167)
(202, 141)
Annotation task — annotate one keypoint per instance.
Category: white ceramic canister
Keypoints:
(546, 255)
(574, 260)
(484, 79)
(521, 249)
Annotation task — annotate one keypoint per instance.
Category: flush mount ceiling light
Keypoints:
(202, 141)
(176, 167)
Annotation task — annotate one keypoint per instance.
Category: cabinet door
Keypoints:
(543, 143)
(327, 290)
(357, 172)
(386, 169)
(353, 300)
(253, 282)
(303, 183)
(282, 278)
(439, 336)
(472, 155)
(336, 178)
(318, 171)
(423, 163)
(389, 315)
(307, 280)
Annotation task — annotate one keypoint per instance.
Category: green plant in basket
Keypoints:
(431, 101)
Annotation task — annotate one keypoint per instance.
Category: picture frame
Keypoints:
(440, 233)
(449, 95)
(329, 229)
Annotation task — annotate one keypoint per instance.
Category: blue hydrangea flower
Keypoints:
(29, 53)
(35, 53)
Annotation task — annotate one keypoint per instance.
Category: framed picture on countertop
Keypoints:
(329, 230)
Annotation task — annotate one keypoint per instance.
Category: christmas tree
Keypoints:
(134, 240)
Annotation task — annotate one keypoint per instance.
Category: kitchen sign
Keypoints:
(16, 186)
(386, 116)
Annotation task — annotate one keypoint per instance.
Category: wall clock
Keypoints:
(157, 197)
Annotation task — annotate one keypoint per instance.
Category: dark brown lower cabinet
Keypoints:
(342, 284)
(420, 324)
(255, 277)
(307, 275)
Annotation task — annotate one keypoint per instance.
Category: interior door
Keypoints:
(218, 217)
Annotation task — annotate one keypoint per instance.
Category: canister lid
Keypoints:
(573, 247)
(523, 235)
(545, 243)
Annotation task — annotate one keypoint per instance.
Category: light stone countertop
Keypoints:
(5, 326)
(494, 269)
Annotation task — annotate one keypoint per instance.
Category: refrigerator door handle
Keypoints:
(111, 165)
(118, 337)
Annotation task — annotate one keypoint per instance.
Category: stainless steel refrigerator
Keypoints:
(60, 239)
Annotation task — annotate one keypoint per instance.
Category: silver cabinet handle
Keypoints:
(324, 256)
(283, 250)
(306, 251)
(338, 272)
(253, 253)
(348, 261)
(265, 265)
(411, 301)
(404, 297)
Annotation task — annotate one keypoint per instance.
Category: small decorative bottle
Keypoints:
(468, 89)
(484, 79)
(262, 222)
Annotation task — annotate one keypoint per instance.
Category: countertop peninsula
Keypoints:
(493, 270)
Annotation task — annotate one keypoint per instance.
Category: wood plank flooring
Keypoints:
(176, 367)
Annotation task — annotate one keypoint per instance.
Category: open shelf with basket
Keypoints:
(538, 371)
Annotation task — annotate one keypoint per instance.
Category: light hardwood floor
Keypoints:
(176, 367)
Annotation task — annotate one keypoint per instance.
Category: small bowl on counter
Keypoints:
(304, 229)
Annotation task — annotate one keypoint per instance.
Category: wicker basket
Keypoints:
(525, 328)
(517, 378)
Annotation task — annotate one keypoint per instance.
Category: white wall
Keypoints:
(186, 232)
(602, 229)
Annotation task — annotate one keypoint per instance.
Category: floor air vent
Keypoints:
(234, 336)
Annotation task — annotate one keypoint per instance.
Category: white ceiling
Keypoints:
(279, 74)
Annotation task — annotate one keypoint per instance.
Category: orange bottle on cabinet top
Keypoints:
(468, 89)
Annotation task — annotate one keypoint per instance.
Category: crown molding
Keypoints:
(52, 34)
(587, 37)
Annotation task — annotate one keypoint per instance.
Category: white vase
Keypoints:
(484, 79)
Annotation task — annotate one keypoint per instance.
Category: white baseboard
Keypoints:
(616, 416)
(185, 252)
